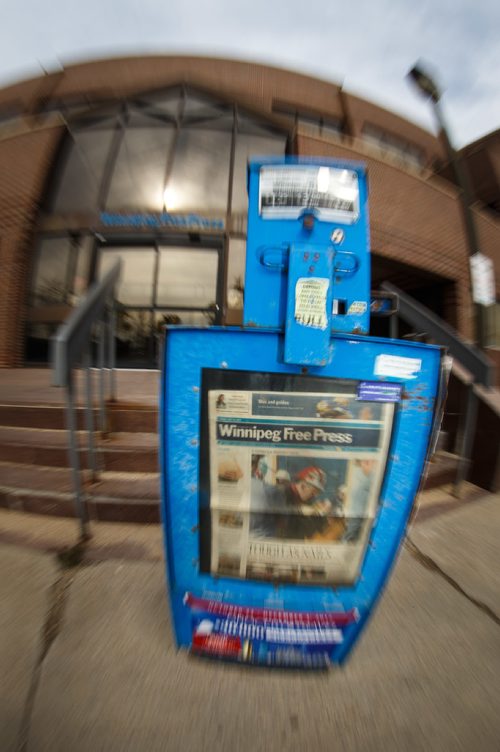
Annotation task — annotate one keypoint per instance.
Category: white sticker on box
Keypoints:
(358, 306)
(395, 365)
(310, 302)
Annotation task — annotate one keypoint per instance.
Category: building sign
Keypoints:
(483, 279)
(285, 191)
(294, 477)
(162, 219)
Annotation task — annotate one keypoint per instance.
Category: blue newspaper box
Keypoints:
(291, 452)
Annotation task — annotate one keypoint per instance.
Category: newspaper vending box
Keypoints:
(292, 448)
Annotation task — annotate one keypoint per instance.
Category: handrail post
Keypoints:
(75, 460)
(393, 326)
(89, 414)
(100, 364)
(112, 352)
(467, 435)
(71, 346)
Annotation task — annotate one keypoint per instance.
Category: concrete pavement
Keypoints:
(467, 547)
(26, 578)
(425, 676)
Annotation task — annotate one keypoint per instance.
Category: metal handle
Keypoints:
(268, 250)
(348, 270)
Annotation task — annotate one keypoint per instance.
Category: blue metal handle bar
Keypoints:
(349, 270)
(268, 250)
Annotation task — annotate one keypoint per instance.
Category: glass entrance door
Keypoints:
(160, 284)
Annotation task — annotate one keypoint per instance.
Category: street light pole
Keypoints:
(427, 86)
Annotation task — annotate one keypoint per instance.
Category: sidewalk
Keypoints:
(88, 663)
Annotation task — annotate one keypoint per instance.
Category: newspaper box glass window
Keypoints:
(286, 190)
(293, 476)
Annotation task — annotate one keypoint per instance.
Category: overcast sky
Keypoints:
(368, 45)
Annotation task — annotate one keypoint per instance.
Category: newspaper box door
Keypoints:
(286, 490)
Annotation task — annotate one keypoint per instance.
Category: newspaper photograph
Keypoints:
(294, 482)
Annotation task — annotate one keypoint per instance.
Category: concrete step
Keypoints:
(34, 473)
(115, 496)
(441, 470)
(122, 416)
(137, 452)
(133, 418)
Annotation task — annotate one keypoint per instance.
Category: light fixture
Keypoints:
(423, 81)
(169, 199)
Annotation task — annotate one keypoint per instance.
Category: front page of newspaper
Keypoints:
(294, 483)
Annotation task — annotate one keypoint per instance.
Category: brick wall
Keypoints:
(24, 162)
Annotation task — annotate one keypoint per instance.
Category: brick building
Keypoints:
(145, 159)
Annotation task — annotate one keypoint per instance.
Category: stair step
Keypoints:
(34, 465)
(116, 496)
(137, 452)
(33, 416)
(441, 469)
(121, 416)
(128, 485)
(133, 418)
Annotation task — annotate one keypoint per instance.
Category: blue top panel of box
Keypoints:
(315, 205)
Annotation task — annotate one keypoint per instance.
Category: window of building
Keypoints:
(135, 286)
(164, 276)
(491, 319)
(61, 270)
(187, 278)
(178, 151)
(51, 282)
(236, 273)
(160, 104)
(161, 284)
(199, 175)
(83, 162)
(168, 151)
(396, 147)
(316, 124)
(198, 108)
(138, 180)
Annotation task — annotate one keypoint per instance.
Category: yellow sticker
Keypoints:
(310, 302)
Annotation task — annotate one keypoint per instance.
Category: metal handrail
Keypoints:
(473, 359)
(72, 346)
(480, 368)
